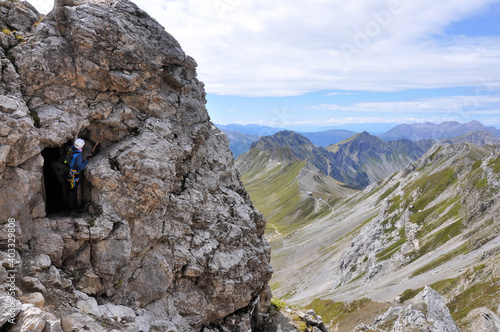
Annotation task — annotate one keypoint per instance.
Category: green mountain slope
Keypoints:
(280, 191)
(281, 175)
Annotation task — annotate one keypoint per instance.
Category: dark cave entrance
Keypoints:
(54, 180)
(56, 190)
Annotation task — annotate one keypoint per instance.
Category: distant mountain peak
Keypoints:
(281, 139)
(429, 130)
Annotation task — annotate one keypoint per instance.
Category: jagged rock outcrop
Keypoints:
(171, 241)
(428, 312)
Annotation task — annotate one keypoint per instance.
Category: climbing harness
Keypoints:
(73, 178)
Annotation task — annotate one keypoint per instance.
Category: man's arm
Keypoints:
(80, 165)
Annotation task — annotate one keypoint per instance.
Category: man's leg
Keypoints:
(72, 199)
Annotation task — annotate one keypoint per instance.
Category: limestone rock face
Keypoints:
(428, 312)
(171, 232)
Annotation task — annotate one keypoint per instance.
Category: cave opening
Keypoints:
(59, 199)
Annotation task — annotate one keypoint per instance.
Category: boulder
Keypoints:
(9, 308)
(90, 283)
(437, 311)
(41, 262)
(36, 299)
(32, 284)
(31, 319)
(78, 322)
(87, 304)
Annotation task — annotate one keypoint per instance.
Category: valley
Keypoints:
(432, 222)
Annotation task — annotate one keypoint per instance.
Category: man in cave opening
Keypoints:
(63, 170)
(76, 166)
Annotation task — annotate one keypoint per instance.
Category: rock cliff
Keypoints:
(170, 240)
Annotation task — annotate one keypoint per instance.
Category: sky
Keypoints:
(322, 64)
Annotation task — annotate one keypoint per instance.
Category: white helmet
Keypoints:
(79, 143)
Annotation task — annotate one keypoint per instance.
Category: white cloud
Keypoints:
(292, 47)
(339, 94)
(340, 121)
(437, 110)
(481, 104)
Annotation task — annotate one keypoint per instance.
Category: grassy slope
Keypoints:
(278, 185)
(275, 192)
(271, 191)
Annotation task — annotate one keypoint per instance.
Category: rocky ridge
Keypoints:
(427, 312)
(447, 193)
(171, 241)
(476, 137)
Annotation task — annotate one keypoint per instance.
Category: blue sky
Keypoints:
(317, 64)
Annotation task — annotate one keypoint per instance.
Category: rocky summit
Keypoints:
(169, 240)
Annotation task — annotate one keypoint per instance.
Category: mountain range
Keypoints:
(429, 130)
(358, 161)
(372, 158)
(241, 137)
